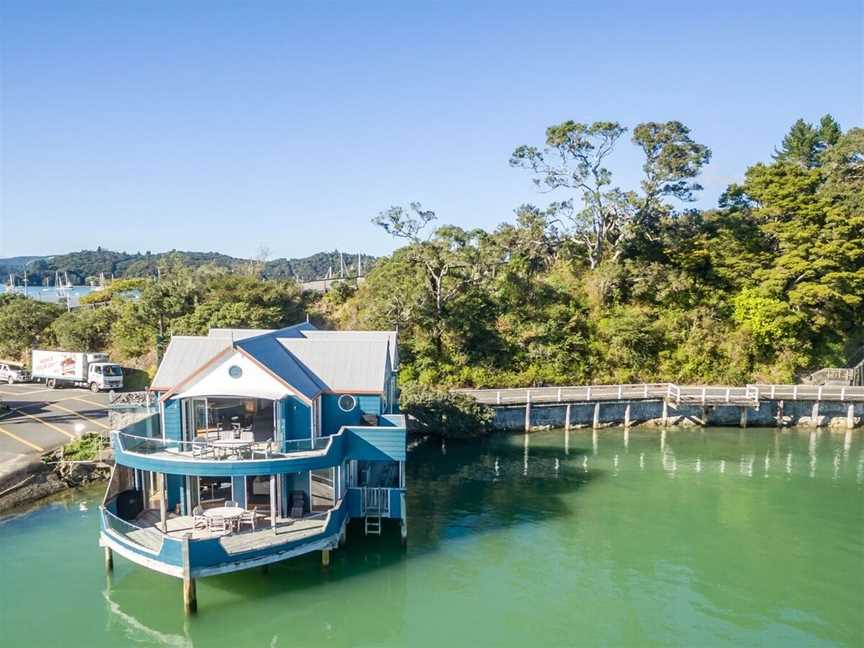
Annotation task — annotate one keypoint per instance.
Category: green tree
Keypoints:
(23, 324)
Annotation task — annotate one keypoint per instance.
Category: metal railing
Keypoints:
(148, 538)
(219, 449)
(671, 392)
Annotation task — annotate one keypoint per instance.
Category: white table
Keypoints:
(227, 445)
(230, 513)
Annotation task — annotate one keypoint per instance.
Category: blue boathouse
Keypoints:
(265, 444)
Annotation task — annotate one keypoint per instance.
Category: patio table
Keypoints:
(230, 513)
(226, 445)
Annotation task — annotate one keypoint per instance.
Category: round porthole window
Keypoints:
(347, 402)
(234, 371)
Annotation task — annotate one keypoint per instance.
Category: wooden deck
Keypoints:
(287, 530)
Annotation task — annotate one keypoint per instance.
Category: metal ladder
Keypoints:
(373, 505)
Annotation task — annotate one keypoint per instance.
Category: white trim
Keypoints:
(353, 401)
(150, 563)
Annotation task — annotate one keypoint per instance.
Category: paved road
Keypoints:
(42, 419)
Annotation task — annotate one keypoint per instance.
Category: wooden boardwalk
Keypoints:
(749, 395)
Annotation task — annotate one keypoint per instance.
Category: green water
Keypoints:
(697, 538)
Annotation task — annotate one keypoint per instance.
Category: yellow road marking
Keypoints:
(50, 425)
(84, 400)
(24, 441)
(79, 414)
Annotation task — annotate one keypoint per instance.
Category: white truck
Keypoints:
(93, 370)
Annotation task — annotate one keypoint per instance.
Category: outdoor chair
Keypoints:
(217, 524)
(230, 503)
(248, 517)
(296, 505)
(198, 519)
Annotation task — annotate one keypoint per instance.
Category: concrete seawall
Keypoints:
(768, 413)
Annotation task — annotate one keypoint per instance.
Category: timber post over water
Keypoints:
(663, 404)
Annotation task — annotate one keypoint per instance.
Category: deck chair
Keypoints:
(248, 518)
(217, 524)
(198, 519)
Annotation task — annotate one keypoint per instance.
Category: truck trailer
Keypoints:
(92, 370)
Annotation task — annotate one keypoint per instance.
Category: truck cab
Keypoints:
(104, 375)
(13, 372)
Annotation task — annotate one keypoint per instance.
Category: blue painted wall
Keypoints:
(171, 423)
(239, 488)
(173, 486)
(333, 418)
(297, 418)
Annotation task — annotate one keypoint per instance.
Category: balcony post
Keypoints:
(273, 502)
(163, 503)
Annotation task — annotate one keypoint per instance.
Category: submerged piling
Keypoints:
(190, 596)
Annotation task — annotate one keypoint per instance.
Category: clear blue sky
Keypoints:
(228, 126)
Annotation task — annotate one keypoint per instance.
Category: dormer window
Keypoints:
(347, 402)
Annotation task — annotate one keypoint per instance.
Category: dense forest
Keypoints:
(86, 266)
(603, 284)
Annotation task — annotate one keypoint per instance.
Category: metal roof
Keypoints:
(359, 336)
(307, 359)
(343, 364)
(267, 351)
(236, 333)
(184, 356)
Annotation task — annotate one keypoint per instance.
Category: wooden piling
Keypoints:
(567, 418)
(744, 417)
(627, 415)
(814, 414)
(109, 560)
(190, 595)
(596, 415)
(780, 413)
(850, 416)
(528, 411)
(403, 527)
(665, 420)
(325, 557)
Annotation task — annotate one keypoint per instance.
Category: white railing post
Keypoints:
(620, 391)
(772, 391)
(819, 393)
(703, 395)
(588, 395)
(727, 395)
(559, 394)
(498, 398)
(795, 392)
(843, 393)
(646, 390)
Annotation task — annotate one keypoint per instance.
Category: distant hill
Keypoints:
(85, 266)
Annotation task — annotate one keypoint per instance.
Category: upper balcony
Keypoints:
(135, 448)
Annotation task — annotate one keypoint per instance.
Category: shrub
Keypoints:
(454, 416)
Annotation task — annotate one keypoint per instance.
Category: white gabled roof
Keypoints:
(343, 365)
(308, 360)
(184, 356)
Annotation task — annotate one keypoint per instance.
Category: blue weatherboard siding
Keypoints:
(370, 404)
(171, 423)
